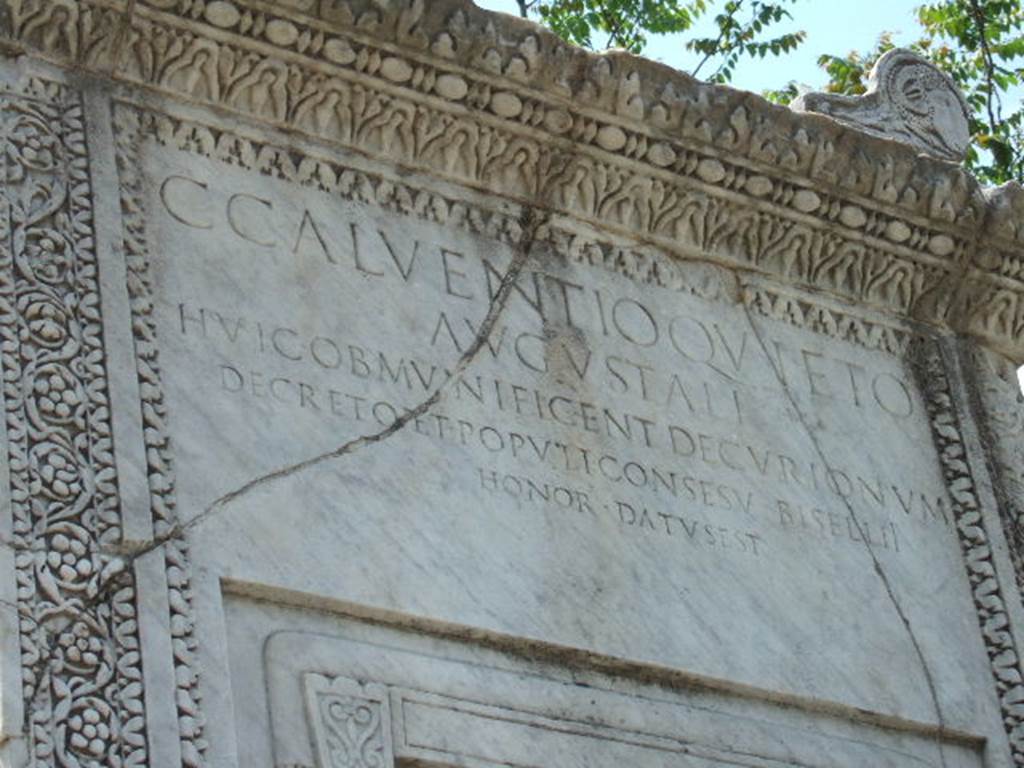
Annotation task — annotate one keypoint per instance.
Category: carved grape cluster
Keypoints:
(32, 147)
(51, 346)
(57, 393)
(69, 555)
(89, 732)
(49, 254)
(81, 648)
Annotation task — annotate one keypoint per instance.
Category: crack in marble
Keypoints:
(876, 563)
(530, 222)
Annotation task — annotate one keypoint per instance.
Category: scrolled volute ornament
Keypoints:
(32, 147)
(908, 100)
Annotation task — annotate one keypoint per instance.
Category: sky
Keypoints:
(832, 27)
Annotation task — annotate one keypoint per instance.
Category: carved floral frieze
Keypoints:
(719, 194)
(81, 671)
(499, 104)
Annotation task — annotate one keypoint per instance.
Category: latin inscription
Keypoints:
(589, 401)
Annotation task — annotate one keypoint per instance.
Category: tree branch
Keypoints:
(991, 97)
(718, 43)
(614, 27)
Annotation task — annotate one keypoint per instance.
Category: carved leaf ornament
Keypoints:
(626, 143)
(79, 636)
(497, 106)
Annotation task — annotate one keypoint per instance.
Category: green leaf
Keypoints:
(978, 43)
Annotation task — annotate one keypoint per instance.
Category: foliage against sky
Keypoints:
(979, 43)
(741, 27)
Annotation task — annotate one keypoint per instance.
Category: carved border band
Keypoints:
(975, 542)
(680, 167)
(643, 265)
(502, 106)
(80, 655)
(998, 400)
(135, 124)
(128, 135)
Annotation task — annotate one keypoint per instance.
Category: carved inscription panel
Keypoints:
(344, 693)
(402, 397)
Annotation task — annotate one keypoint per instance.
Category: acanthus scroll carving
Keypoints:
(77, 604)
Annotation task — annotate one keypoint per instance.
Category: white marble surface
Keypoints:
(619, 469)
(908, 99)
(452, 702)
(389, 380)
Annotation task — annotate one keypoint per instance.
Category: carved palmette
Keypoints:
(351, 722)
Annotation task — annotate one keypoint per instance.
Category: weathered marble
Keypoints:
(385, 386)
(908, 99)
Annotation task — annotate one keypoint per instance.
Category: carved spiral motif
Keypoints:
(49, 254)
(47, 323)
(58, 474)
(170, 56)
(926, 100)
(32, 147)
(354, 727)
(77, 607)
